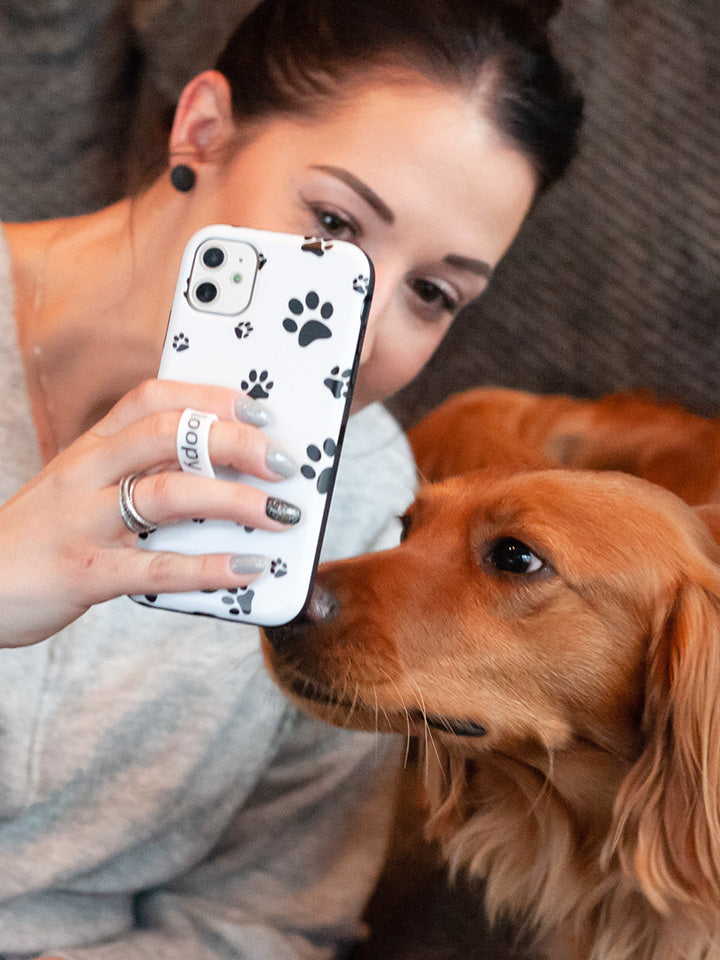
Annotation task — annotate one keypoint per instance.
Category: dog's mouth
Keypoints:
(310, 690)
(316, 693)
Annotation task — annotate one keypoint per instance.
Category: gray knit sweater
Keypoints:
(159, 798)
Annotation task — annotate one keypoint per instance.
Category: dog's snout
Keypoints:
(322, 607)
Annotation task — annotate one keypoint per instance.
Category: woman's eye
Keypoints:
(334, 225)
(434, 296)
(513, 556)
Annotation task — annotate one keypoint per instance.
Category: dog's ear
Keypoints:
(667, 815)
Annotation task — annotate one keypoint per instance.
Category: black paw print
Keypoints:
(239, 601)
(316, 455)
(338, 383)
(180, 342)
(257, 385)
(311, 329)
(361, 284)
(317, 245)
(278, 568)
(243, 329)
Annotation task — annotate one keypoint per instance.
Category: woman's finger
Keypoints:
(151, 443)
(133, 571)
(155, 396)
(171, 496)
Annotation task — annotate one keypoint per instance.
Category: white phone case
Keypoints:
(281, 318)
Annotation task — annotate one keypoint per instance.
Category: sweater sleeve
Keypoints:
(292, 874)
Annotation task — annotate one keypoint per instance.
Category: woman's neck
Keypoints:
(92, 296)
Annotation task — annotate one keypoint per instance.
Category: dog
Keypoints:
(630, 432)
(552, 638)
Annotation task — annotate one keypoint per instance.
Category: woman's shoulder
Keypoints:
(5, 276)
(377, 450)
(373, 432)
(375, 483)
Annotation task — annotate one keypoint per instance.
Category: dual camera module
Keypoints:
(206, 291)
(223, 276)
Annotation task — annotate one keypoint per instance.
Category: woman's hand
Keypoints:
(63, 544)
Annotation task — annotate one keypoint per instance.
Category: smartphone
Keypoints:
(281, 318)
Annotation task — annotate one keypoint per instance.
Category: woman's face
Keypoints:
(411, 174)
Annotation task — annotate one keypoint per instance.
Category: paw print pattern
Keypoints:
(238, 600)
(257, 385)
(317, 245)
(312, 328)
(278, 568)
(316, 455)
(243, 329)
(338, 383)
(361, 283)
(180, 342)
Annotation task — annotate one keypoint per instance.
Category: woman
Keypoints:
(158, 797)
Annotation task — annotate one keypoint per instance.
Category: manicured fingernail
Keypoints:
(282, 511)
(250, 411)
(280, 462)
(246, 564)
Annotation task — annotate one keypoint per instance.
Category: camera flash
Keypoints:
(237, 278)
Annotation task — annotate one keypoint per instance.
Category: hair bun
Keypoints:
(540, 12)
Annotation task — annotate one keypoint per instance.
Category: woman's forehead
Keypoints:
(413, 122)
(418, 154)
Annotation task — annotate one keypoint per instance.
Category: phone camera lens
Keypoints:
(213, 257)
(206, 292)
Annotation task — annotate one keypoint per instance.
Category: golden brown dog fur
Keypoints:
(663, 443)
(592, 802)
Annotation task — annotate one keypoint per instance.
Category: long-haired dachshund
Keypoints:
(553, 639)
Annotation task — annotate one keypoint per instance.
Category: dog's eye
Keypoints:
(514, 556)
(406, 523)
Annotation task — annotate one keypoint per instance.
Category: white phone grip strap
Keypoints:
(192, 442)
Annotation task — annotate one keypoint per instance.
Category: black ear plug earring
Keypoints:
(182, 177)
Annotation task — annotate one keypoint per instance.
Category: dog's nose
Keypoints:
(323, 604)
(322, 607)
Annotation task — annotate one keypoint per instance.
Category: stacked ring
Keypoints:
(131, 516)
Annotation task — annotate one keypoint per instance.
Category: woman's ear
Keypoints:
(203, 126)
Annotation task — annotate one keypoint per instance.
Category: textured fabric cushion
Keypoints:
(86, 89)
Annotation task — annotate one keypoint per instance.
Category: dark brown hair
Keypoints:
(289, 56)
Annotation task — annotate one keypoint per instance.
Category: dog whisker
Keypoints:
(408, 717)
(354, 701)
(377, 710)
(427, 728)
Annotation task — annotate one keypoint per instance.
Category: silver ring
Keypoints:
(131, 517)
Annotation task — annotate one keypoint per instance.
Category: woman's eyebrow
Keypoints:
(362, 190)
(478, 267)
